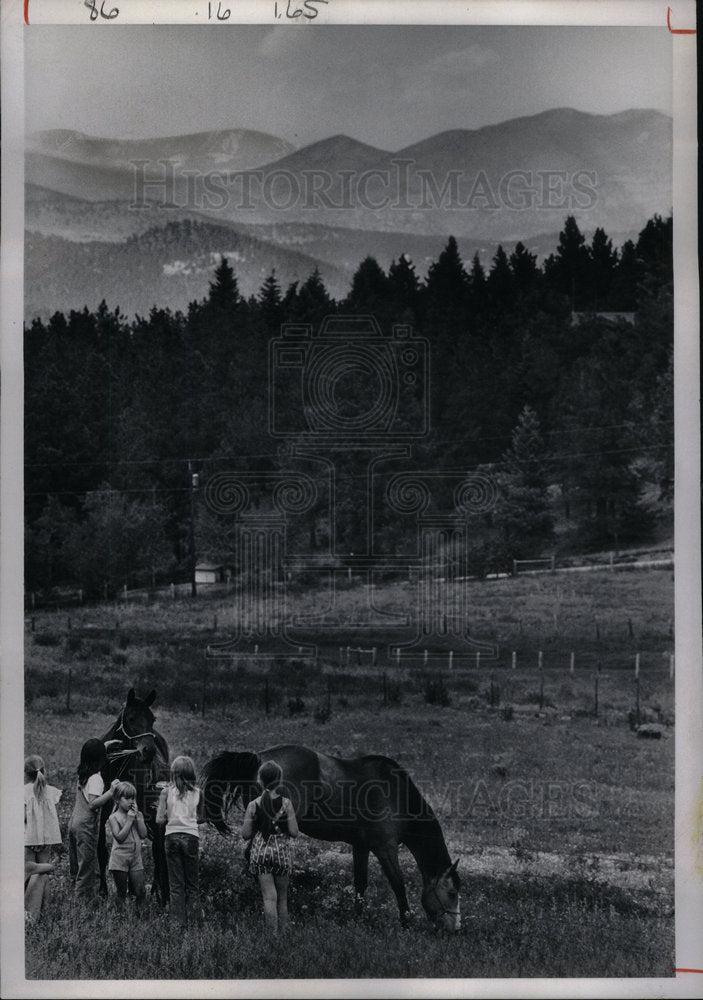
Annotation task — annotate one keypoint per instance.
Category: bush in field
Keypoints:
(47, 639)
(436, 692)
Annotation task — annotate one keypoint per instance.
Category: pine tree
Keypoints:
(603, 263)
(224, 289)
(523, 265)
(500, 280)
(404, 289)
(567, 270)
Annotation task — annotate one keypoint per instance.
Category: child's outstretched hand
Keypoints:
(114, 783)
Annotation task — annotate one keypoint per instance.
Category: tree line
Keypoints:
(569, 411)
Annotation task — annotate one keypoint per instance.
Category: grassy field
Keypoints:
(561, 816)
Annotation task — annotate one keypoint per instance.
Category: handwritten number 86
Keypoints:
(92, 7)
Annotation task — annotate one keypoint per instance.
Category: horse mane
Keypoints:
(227, 773)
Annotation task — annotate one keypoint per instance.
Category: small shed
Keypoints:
(206, 572)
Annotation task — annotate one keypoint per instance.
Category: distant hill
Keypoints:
(333, 202)
(224, 149)
(169, 266)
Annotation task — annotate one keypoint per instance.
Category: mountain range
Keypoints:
(142, 222)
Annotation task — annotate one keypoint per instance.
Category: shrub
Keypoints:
(392, 692)
(47, 639)
(436, 692)
(296, 706)
(74, 644)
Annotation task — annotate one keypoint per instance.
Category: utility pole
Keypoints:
(192, 487)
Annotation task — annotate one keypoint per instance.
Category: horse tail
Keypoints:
(222, 780)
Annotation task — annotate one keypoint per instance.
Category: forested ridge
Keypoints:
(568, 410)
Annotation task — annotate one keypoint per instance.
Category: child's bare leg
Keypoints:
(36, 894)
(281, 882)
(121, 882)
(136, 882)
(268, 893)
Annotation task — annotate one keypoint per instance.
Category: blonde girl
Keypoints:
(41, 821)
(128, 829)
(270, 820)
(41, 831)
(181, 809)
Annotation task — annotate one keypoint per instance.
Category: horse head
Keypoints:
(440, 899)
(224, 780)
(132, 736)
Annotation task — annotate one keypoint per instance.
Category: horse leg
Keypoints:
(388, 860)
(361, 874)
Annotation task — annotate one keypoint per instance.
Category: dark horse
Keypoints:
(368, 802)
(136, 752)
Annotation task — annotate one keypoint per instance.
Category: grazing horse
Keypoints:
(136, 752)
(369, 802)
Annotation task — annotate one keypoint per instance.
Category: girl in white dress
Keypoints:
(41, 821)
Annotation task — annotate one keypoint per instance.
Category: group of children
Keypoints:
(269, 823)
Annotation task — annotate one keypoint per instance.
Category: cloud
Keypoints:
(279, 42)
(460, 63)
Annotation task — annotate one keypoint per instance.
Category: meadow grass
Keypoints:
(561, 817)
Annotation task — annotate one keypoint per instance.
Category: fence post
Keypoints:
(637, 697)
(478, 659)
(597, 629)
(637, 665)
(595, 695)
(173, 591)
(553, 563)
(612, 561)
(571, 663)
(424, 657)
(256, 649)
(514, 567)
(348, 654)
(34, 600)
(671, 665)
(266, 695)
(385, 689)
(68, 691)
(397, 656)
(373, 657)
(214, 623)
(69, 623)
(451, 657)
(629, 628)
(514, 660)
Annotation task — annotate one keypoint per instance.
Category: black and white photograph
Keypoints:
(350, 472)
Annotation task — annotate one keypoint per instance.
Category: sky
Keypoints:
(385, 85)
